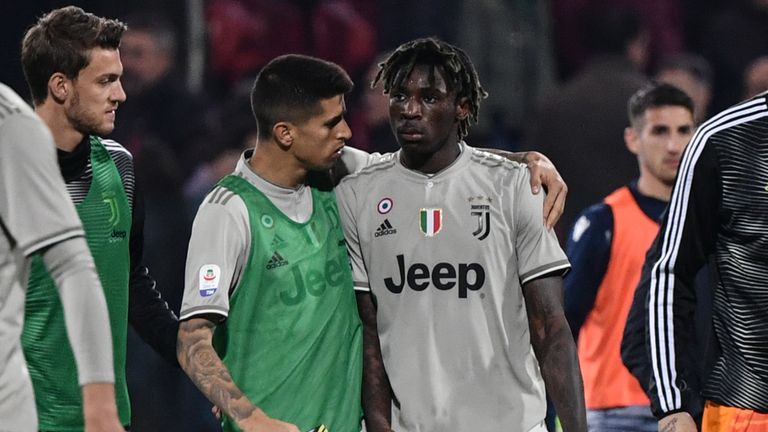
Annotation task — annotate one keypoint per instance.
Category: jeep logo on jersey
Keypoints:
(314, 281)
(430, 221)
(117, 235)
(444, 276)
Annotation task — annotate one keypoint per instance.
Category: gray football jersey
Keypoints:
(35, 212)
(445, 257)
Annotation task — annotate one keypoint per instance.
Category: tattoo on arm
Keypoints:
(556, 351)
(670, 427)
(204, 367)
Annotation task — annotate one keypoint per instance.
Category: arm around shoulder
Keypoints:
(543, 173)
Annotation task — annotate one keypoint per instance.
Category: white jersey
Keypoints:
(445, 257)
(35, 212)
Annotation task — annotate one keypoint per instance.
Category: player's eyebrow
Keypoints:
(335, 120)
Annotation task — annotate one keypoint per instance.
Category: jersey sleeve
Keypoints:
(588, 249)
(686, 237)
(218, 250)
(347, 202)
(355, 159)
(538, 251)
(35, 209)
(85, 309)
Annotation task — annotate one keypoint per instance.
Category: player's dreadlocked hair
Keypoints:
(459, 71)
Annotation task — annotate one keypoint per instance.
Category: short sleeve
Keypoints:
(347, 202)
(35, 208)
(538, 250)
(355, 159)
(218, 250)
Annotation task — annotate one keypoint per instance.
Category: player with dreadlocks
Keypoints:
(459, 72)
(467, 329)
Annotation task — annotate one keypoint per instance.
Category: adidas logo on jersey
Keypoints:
(276, 261)
(385, 228)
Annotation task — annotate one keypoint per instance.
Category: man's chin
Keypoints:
(669, 182)
(323, 166)
(96, 130)
(102, 131)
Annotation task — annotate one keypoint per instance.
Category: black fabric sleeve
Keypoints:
(633, 352)
(148, 313)
(588, 250)
(667, 291)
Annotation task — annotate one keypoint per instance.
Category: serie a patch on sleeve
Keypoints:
(209, 277)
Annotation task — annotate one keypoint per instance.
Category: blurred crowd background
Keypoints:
(559, 74)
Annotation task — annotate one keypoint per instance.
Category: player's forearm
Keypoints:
(377, 393)
(204, 367)
(560, 370)
(85, 309)
(150, 315)
(98, 403)
(555, 350)
(521, 157)
(377, 399)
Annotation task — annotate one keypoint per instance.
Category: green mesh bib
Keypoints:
(293, 339)
(106, 217)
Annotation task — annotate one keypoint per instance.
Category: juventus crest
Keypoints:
(482, 213)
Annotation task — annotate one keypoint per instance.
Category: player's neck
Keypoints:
(431, 163)
(64, 135)
(654, 188)
(274, 166)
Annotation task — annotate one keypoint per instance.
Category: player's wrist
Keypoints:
(378, 423)
(680, 421)
(98, 400)
(251, 417)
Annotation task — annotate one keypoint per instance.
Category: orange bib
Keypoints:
(719, 418)
(607, 382)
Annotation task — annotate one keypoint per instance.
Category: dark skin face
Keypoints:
(424, 118)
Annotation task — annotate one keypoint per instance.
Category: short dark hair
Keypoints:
(656, 95)
(290, 88)
(459, 72)
(60, 42)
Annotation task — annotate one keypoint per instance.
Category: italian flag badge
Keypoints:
(430, 221)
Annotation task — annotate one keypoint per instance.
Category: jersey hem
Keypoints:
(558, 266)
(202, 311)
(94, 378)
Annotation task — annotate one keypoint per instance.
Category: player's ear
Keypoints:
(59, 87)
(462, 109)
(283, 133)
(631, 139)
